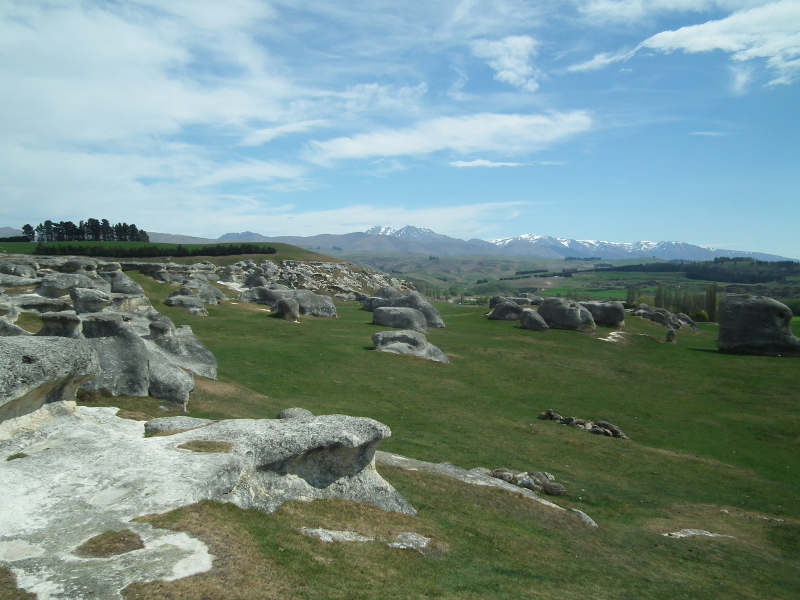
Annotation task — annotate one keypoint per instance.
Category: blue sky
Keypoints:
(615, 120)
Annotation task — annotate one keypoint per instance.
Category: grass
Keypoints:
(110, 543)
(714, 445)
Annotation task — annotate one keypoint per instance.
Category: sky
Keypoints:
(613, 120)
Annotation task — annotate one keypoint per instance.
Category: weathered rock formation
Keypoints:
(663, 317)
(416, 300)
(536, 481)
(532, 320)
(186, 298)
(309, 303)
(756, 325)
(506, 310)
(559, 313)
(400, 317)
(607, 314)
(597, 427)
(35, 371)
(408, 342)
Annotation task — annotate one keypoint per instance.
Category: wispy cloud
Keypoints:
(770, 32)
(510, 58)
(262, 136)
(479, 162)
(606, 11)
(507, 134)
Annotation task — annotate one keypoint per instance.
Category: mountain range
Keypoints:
(416, 240)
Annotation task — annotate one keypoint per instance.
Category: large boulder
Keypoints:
(533, 320)
(661, 316)
(121, 283)
(756, 325)
(288, 309)
(87, 300)
(373, 302)
(607, 314)
(56, 285)
(186, 298)
(401, 317)
(506, 310)
(559, 313)
(311, 304)
(183, 348)
(415, 300)
(408, 342)
(35, 371)
(66, 324)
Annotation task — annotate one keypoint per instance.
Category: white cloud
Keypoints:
(507, 134)
(510, 58)
(483, 163)
(770, 32)
(262, 136)
(604, 11)
(252, 170)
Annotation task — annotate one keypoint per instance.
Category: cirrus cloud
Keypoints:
(484, 132)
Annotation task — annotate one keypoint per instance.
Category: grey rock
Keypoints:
(554, 489)
(408, 342)
(124, 359)
(55, 285)
(408, 540)
(255, 280)
(607, 314)
(121, 283)
(288, 309)
(208, 293)
(87, 300)
(295, 413)
(8, 310)
(311, 304)
(33, 303)
(23, 271)
(670, 336)
(192, 302)
(16, 280)
(76, 264)
(370, 304)
(415, 300)
(559, 313)
(532, 320)
(495, 300)
(66, 323)
(8, 329)
(183, 348)
(756, 325)
(35, 371)
(686, 320)
(174, 424)
(506, 310)
(400, 317)
(168, 381)
(389, 293)
(660, 316)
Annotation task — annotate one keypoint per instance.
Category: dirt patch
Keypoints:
(207, 446)
(110, 543)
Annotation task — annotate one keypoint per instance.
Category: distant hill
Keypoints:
(9, 232)
(415, 240)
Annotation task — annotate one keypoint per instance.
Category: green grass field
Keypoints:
(714, 446)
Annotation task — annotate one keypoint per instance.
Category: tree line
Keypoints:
(91, 230)
(151, 250)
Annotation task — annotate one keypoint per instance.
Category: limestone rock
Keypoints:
(415, 300)
(174, 424)
(87, 300)
(370, 304)
(311, 304)
(186, 298)
(607, 314)
(532, 320)
(183, 347)
(35, 371)
(408, 342)
(55, 285)
(288, 309)
(66, 324)
(670, 336)
(121, 283)
(506, 310)
(563, 314)
(295, 413)
(658, 315)
(756, 325)
(400, 317)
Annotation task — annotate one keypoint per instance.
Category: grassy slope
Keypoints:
(710, 432)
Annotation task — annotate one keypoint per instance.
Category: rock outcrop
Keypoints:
(597, 427)
(415, 300)
(400, 317)
(559, 313)
(607, 314)
(532, 320)
(756, 325)
(102, 473)
(506, 310)
(35, 371)
(663, 317)
(408, 342)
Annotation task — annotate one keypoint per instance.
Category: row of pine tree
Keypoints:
(91, 230)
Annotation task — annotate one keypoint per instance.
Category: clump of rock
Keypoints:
(756, 325)
(560, 313)
(532, 320)
(400, 317)
(408, 342)
(663, 317)
(390, 297)
(607, 314)
(506, 310)
(597, 427)
(536, 481)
